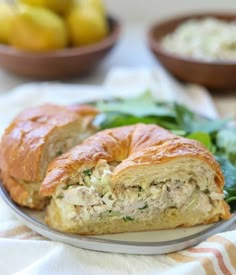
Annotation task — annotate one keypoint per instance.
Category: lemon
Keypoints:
(37, 29)
(86, 25)
(96, 4)
(59, 6)
(6, 16)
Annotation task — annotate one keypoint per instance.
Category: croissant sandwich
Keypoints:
(34, 139)
(133, 178)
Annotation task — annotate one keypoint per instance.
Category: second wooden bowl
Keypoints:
(214, 75)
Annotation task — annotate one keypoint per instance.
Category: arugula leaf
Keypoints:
(184, 116)
(179, 132)
(142, 105)
(226, 141)
(210, 126)
(116, 119)
(145, 109)
(193, 122)
(204, 138)
(229, 172)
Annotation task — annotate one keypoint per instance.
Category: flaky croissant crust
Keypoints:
(130, 146)
(24, 142)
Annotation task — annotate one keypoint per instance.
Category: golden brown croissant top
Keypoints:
(130, 147)
(33, 139)
(23, 140)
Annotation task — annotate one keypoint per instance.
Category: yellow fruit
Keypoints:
(86, 26)
(6, 16)
(96, 4)
(59, 6)
(39, 3)
(37, 29)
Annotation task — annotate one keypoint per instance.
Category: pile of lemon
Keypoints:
(42, 25)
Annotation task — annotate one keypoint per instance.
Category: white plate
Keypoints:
(152, 242)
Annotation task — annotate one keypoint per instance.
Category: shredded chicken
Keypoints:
(92, 195)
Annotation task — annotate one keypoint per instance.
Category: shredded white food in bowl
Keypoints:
(208, 39)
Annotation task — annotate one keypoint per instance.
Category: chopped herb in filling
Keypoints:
(87, 172)
(144, 207)
(66, 187)
(61, 196)
(59, 153)
(128, 219)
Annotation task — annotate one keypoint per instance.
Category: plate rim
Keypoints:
(183, 242)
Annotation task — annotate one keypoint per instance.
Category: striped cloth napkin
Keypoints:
(23, 251)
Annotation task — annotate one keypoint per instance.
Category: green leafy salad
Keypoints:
(216, 134)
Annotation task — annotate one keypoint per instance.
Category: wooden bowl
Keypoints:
(59, 64)
(213, 75)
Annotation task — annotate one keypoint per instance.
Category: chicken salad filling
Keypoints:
(92, 197)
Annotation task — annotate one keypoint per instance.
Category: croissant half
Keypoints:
(134, 178)
(34, 139)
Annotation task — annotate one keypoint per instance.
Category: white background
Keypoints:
(152, 10)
